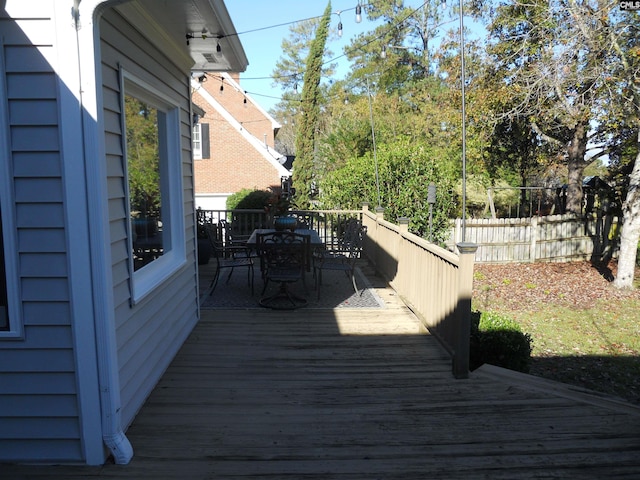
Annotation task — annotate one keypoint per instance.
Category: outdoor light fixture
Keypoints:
(358, 12)
(339, 22)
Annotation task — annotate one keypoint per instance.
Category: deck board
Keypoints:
(356, 394)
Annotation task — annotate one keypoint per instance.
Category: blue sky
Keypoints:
(263, 48)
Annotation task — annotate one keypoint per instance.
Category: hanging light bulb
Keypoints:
(358, 12)
(383, 53)
(218, 48)
(221, 85)
(339, 22)
(245, 99)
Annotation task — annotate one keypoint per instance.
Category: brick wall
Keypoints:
(235, 163)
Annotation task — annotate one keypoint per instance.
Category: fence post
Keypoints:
(463, 324)
(534, 238)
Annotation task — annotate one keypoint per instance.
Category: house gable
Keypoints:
(242, 138)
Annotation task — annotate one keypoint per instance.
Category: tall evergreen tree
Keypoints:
(303, 170)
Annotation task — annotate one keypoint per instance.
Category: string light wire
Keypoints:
(297, 74)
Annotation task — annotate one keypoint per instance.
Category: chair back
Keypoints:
(213, 234)
(354, 239)
(284, 251)
(232, 235)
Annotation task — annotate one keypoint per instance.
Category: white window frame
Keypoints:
(7, 199)
(196, 141)
(146, 279)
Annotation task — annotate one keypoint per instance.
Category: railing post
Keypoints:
(403, 270)
(379, 211)
(403, 224)
(465, 292)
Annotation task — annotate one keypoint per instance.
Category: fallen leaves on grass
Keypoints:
(577, 341)
(524, 286)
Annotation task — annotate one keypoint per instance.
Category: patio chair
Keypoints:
(342, 258)
(228, 257)
(236, 240)
(285, 259)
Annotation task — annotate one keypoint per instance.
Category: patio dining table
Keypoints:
(314, 238)
(315, 243)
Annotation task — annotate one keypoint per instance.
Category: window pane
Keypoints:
(4, 315)
(144, 177)
(196, 142)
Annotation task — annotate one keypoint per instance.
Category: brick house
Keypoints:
(233, 142)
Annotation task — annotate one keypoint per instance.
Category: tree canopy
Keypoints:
(551, 88)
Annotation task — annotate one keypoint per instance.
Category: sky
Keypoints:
(264, 47)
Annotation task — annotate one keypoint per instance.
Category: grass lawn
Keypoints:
(584, 331)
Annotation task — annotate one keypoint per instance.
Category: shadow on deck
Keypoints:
(357, 393)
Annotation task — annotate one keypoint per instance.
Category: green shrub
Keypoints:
(247, 199)
(498, 340)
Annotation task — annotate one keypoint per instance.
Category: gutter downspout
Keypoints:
(108, 374)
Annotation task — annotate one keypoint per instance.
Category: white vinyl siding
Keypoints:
(150, 331)
(39, 414)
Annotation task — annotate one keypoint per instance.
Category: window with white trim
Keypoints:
(197, 142)
(153, 184)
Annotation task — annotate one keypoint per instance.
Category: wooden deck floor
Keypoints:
(356, 394)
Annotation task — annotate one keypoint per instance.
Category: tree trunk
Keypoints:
(630, 233)
(576, 164)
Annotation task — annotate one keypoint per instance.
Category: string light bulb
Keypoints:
(221, 85)
(358, 12)
(339, 22)
(218, 47)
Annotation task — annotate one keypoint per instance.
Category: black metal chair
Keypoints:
(285, 259)
(342, 258)
(228, 257)
(237, 240)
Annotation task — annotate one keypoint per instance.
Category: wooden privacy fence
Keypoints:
(435, 283)
(553, 238)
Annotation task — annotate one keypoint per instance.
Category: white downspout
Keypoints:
(88, 38)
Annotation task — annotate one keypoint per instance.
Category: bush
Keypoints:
(498, 340)
(247, 199)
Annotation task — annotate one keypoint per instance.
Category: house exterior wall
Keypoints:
(149, 332)
(40, 393)
(52, 395)
(236, 163)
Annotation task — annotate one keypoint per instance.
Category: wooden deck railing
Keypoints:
(435, 283)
